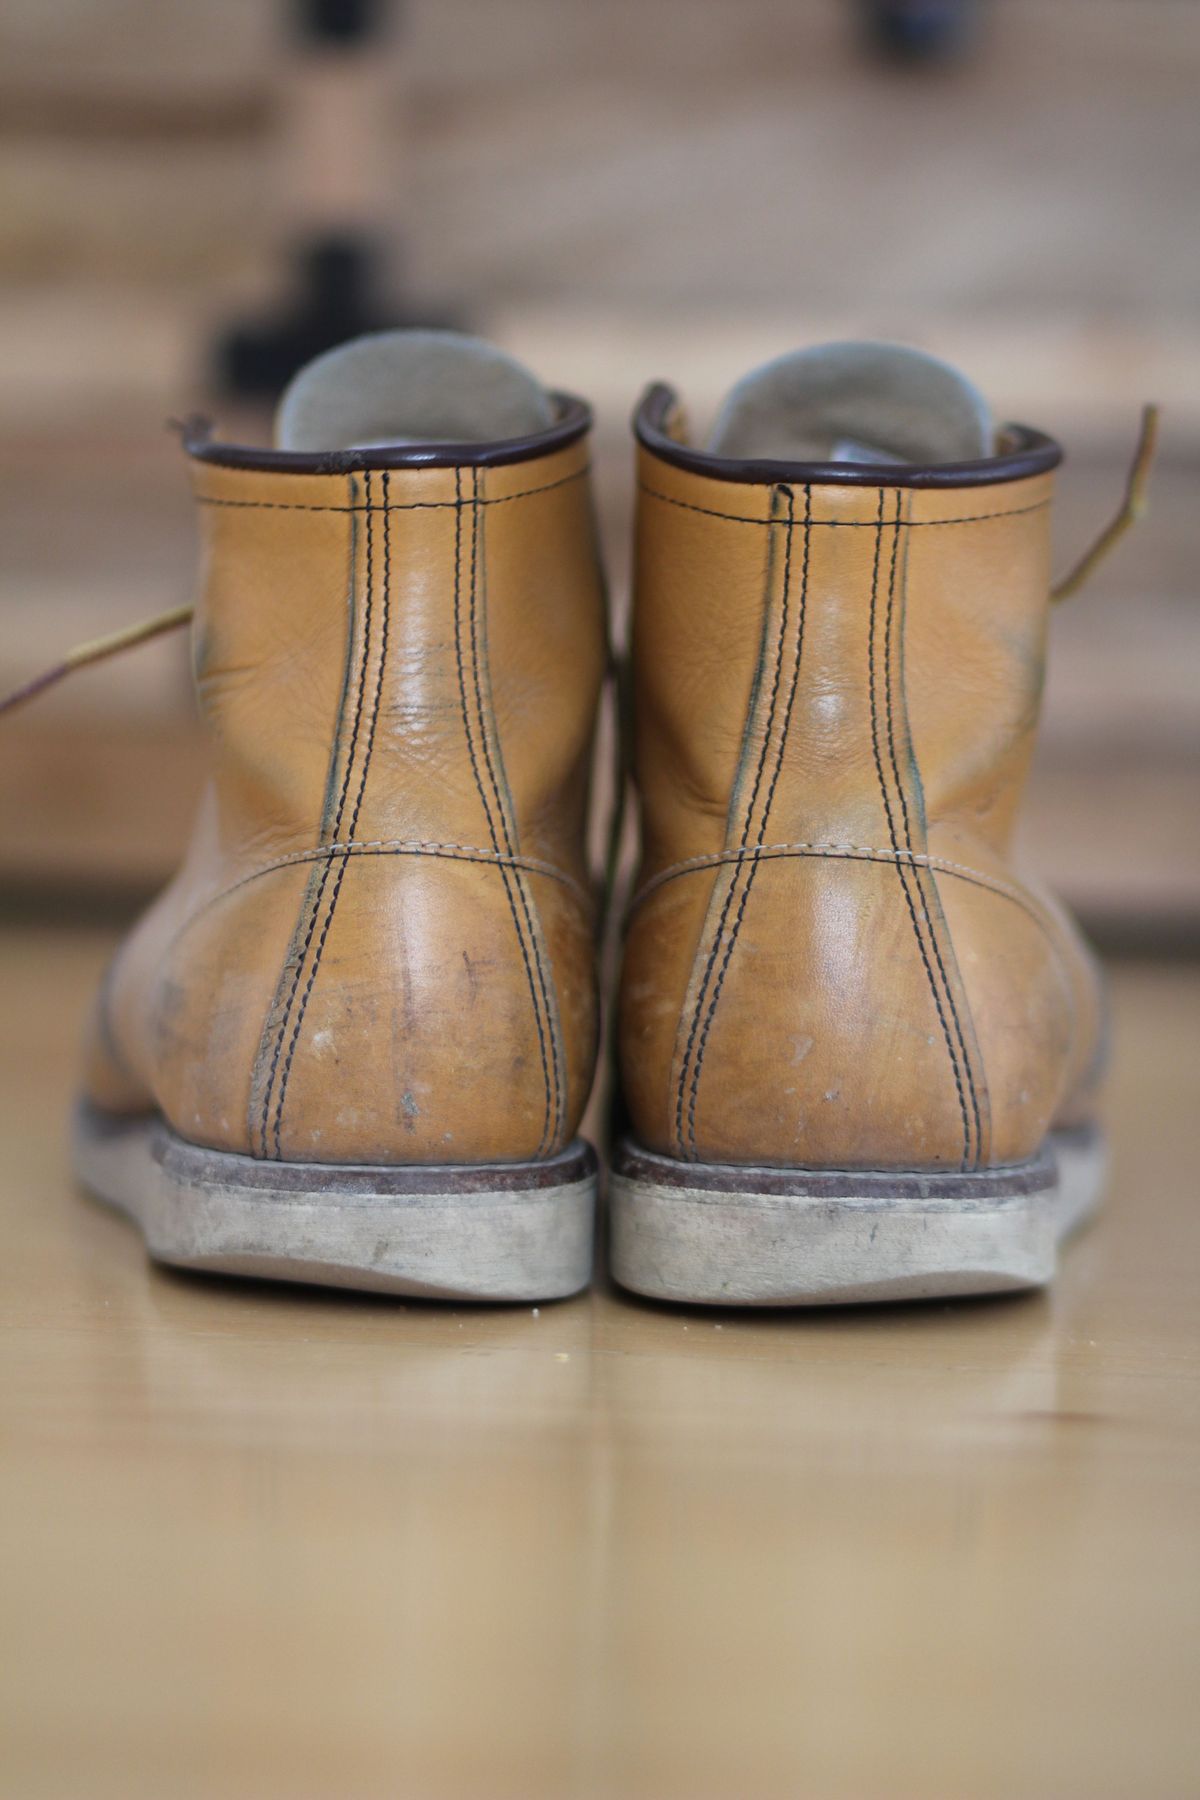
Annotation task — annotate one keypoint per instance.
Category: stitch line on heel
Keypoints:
(341, 859)
(748, 819)
(280, 1035)
(479, 662)
(753, 867)
(493, 835)
(891, 823)
(919, 877)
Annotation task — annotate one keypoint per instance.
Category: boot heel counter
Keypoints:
(846, 1010)
(805, 1031)
(429, 1026)
(378, 1008)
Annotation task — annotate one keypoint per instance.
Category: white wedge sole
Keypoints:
(500, 1231)
(733, 1236)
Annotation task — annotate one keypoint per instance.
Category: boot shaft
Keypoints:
(834, 664)
(407, 654)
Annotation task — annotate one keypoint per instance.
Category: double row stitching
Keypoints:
(933, 934)
(502, 813)
(714, 949)
(369, 745)
(343, 795)
(696, 1067)
(900, 867)
(390, 506)
(762, 830)
(712, 512)
(508, 879)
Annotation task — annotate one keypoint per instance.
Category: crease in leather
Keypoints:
(947, 985)
(692, 1063)
(479, 723)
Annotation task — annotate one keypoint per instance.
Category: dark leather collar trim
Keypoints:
(1027, 453)
(574, 419)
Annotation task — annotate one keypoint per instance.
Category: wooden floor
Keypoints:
(270, 1543)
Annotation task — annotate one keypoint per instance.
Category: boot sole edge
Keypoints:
(491, 1232)
(719, 1235)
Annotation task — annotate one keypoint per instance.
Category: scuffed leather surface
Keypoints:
(380, 947)
(833, 959)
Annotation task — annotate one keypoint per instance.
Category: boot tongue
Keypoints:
(854, 403)
(410, 387)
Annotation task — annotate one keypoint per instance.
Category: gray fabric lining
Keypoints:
(854, 403)
(410, 387)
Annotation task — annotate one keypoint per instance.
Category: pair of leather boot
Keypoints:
(857, 1047)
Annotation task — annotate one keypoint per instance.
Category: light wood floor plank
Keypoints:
(265, 1543)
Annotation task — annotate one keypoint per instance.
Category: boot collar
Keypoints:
(574, 418)
(1023, 452)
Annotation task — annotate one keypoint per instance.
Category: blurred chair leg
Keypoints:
(920, 31)
(336, 172)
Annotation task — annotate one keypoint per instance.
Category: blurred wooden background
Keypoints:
(616, 192)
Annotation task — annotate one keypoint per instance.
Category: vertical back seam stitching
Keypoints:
(766, 814)
(908, 843)
(483, 799)
(324, 880)
(900, 870)
(554, 1106)
(343, 861)
(731, 891)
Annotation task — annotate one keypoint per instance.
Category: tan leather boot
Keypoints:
(858, 1045)
(353, 1041)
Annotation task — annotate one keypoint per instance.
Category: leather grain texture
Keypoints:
(833, 959)
(380, 948)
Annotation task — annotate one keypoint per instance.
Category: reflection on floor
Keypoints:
(266, 1542)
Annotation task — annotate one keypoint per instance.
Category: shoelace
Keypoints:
(1132, 508)
(97, 650)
